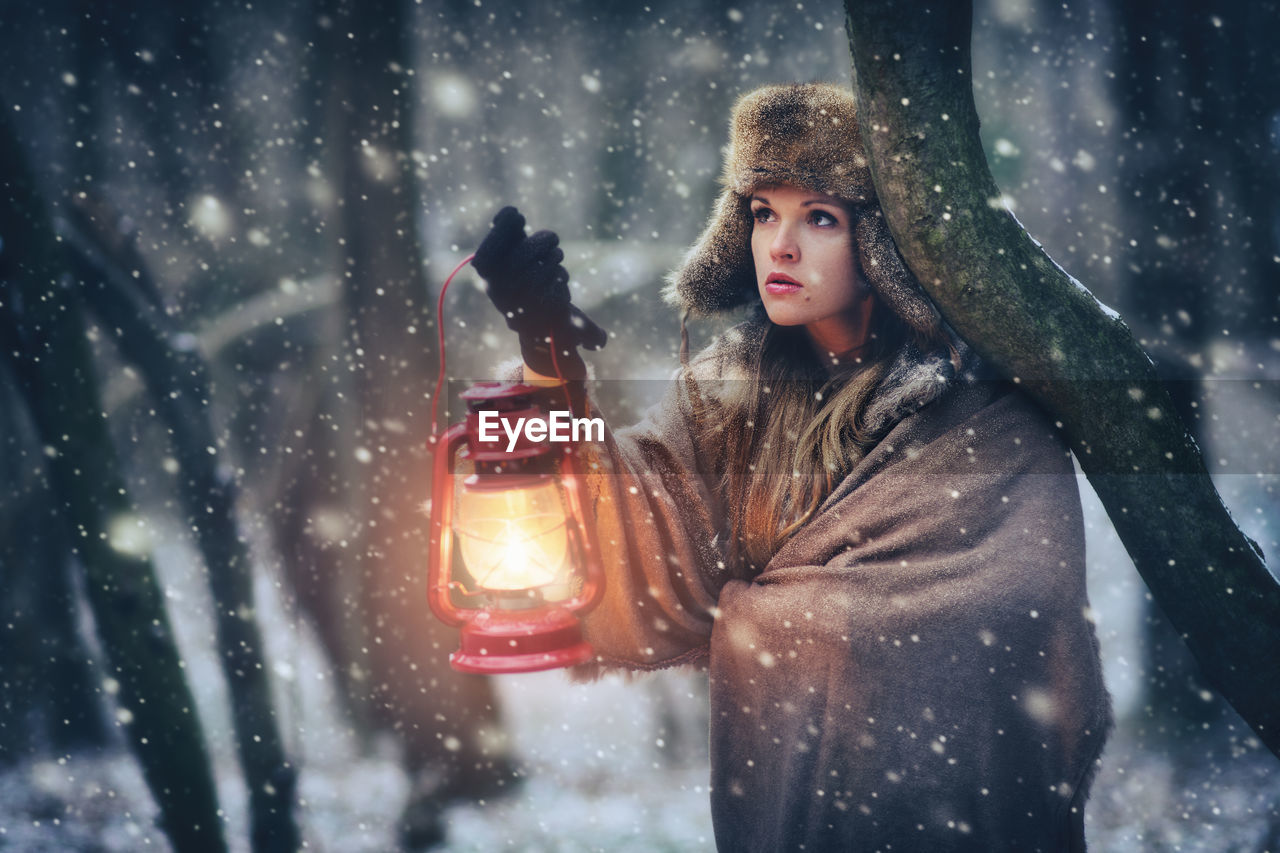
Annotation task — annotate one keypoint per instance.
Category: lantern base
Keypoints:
(511, 641)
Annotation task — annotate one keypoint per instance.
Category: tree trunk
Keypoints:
(43, 336)
(177, 379)
(355, 511)
(50, 697)
(446, 719)
(1001, 292)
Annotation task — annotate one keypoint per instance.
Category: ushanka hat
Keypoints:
(805, 135)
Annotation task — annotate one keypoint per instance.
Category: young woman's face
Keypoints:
(802, 244)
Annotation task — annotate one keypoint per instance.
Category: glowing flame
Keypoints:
(514, 539)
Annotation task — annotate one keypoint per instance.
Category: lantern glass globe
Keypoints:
(515, 539)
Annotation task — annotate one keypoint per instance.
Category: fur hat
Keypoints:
(805, 135)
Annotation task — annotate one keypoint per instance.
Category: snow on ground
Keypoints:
(597, 783)
(597, 779)
(600, 765)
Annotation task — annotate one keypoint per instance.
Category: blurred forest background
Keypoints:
(223, 232)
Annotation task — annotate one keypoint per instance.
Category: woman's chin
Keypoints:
(780, 316)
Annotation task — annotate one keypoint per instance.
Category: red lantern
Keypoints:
(528, 549)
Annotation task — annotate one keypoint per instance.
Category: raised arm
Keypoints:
(654, 504)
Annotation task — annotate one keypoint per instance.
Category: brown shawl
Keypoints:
(916, 669)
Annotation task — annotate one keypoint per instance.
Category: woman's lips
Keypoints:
(779, 284)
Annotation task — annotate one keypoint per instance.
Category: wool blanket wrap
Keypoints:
(916, 669)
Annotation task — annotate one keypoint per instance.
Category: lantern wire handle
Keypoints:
(564, 386)
(435, 398)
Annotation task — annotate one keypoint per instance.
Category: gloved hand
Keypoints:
(529, 285)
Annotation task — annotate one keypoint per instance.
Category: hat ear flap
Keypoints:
(889, 277)
(718, 273)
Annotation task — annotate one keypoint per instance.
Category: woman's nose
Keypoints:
(784, 246)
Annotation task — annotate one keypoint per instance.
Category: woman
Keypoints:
(879, 553)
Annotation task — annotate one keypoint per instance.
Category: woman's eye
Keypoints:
(762, 214)
(822, 218)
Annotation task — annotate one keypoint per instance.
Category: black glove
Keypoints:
(528, 284)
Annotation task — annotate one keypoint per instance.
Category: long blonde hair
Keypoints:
(793, 432)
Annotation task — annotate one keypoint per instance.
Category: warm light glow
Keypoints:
(514, 539)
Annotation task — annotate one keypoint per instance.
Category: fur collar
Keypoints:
(914, 379)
